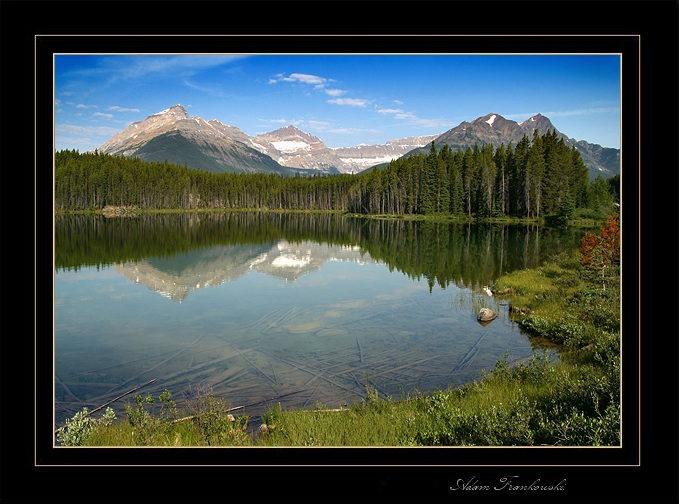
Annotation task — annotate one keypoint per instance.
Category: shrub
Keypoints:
(82, 425)
(213, 419)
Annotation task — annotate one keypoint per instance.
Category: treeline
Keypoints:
(535, 178)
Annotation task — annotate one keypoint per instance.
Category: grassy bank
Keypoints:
(573, 400)
(580, 219)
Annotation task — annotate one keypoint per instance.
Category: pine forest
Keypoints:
(538, 177)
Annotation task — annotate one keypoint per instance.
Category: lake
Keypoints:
(261, 308)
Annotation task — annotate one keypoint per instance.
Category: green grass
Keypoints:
(572, 400)
(538, 402)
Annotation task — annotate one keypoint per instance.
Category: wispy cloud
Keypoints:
(411, 118)
(315, 81)
(566, 113)
(108, 71)
(585, 111)
(352, 131)
(209, 90)
(300, 77)
(152, 66)
(352, 102)
(75, 129)
(334, 92)
(116, 108)
(103, 115)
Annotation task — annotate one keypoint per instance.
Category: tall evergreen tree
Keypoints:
(521, 184)
(535, 170)
(488, 172)
(467, 177)
(500, 159)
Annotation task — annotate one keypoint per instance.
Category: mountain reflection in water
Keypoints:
(175, 277)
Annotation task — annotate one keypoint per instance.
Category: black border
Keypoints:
(423, 475)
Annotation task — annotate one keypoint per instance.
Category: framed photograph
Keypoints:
(303, 255)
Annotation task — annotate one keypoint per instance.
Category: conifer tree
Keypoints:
(535, 170)
(500, 159)
(520, 189)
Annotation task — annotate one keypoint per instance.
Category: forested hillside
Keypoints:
(535, 178)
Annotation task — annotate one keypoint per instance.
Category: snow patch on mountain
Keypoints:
(288, 146)
(367, 162)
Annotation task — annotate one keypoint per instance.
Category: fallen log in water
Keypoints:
(237, 407)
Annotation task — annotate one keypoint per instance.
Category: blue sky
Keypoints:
(345, 100)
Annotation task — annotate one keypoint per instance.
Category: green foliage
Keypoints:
(558, 301)
(145, 424)
(79, 428)
(213, 420)
(538, 402)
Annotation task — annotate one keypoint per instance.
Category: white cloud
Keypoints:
(316, 81)
(565, 113)
(334, 92)
(148, 66)
(116, 108)
(83, 106)
(352, 102)
(86, 130)
(319, 83)
(586, 111)
(299, 77)
(102, 115)
(406, 116)
(352, 131)
(318, 125)
(413, 119)
(209, 90)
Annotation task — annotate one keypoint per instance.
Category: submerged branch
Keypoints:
(110, 402)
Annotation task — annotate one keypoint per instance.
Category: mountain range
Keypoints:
(172, 135)
(496, 130)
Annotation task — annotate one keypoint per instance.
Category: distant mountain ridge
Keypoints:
(496, 130)
(174, 136)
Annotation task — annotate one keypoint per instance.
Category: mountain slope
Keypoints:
(174, 136)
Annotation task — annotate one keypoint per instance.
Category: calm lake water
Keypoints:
(265, 308)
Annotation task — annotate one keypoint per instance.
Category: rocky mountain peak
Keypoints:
(293, 132)
(489, 119)
(537, 122)
(175, 111)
